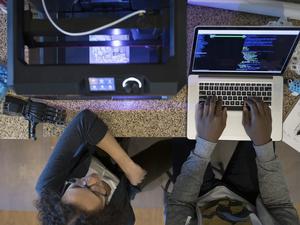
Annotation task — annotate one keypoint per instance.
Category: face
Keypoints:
(87, 193)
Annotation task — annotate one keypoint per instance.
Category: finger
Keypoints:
(206, 107)
(219, 109)
(253, 108)
(200, 109)
(268, 112)
(259, 105)
(224, 112)
(246, 115)
(212, 106)
(144, 175)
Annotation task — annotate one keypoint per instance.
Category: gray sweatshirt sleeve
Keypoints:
(273, 188)
(181, 204)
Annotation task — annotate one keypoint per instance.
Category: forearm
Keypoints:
(110, 145)
(188, 183)
(273, 188)
(187, 187)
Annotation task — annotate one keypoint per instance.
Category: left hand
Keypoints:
(211, 119)
(134, 173)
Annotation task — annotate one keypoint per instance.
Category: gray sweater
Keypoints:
(273, 206)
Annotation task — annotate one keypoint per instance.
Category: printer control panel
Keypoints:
(129, 85)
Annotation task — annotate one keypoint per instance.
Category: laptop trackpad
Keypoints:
(234, 128)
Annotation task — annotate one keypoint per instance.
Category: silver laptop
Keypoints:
(234, 63)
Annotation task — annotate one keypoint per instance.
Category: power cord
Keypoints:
(139, 12)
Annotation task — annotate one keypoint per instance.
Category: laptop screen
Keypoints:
(243, 51)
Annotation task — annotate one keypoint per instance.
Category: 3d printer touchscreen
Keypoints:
(102, 84)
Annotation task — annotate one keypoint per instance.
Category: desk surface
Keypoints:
(149, 118)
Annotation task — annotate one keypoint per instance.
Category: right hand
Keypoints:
(257, 121)
(134, 173)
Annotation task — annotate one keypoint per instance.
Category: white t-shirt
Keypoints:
(108, 177)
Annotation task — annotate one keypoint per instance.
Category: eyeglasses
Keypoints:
(82, 183)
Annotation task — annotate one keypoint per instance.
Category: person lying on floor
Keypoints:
(90, 179)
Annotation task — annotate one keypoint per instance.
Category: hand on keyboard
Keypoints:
(257, 121)
(233, 95)
(211, 119)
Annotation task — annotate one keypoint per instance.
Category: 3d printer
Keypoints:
(141, 57)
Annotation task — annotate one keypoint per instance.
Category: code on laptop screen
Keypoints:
(243, 50)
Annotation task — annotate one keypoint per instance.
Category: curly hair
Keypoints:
(52, 211)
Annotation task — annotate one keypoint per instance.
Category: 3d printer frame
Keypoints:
(69, 81)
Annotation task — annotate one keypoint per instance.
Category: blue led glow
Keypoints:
(102, 84)
(116, 31)
(116, 43)
(114, 54)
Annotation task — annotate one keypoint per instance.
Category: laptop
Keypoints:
(235, 63)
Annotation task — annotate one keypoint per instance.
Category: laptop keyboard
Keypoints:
(234, 94)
